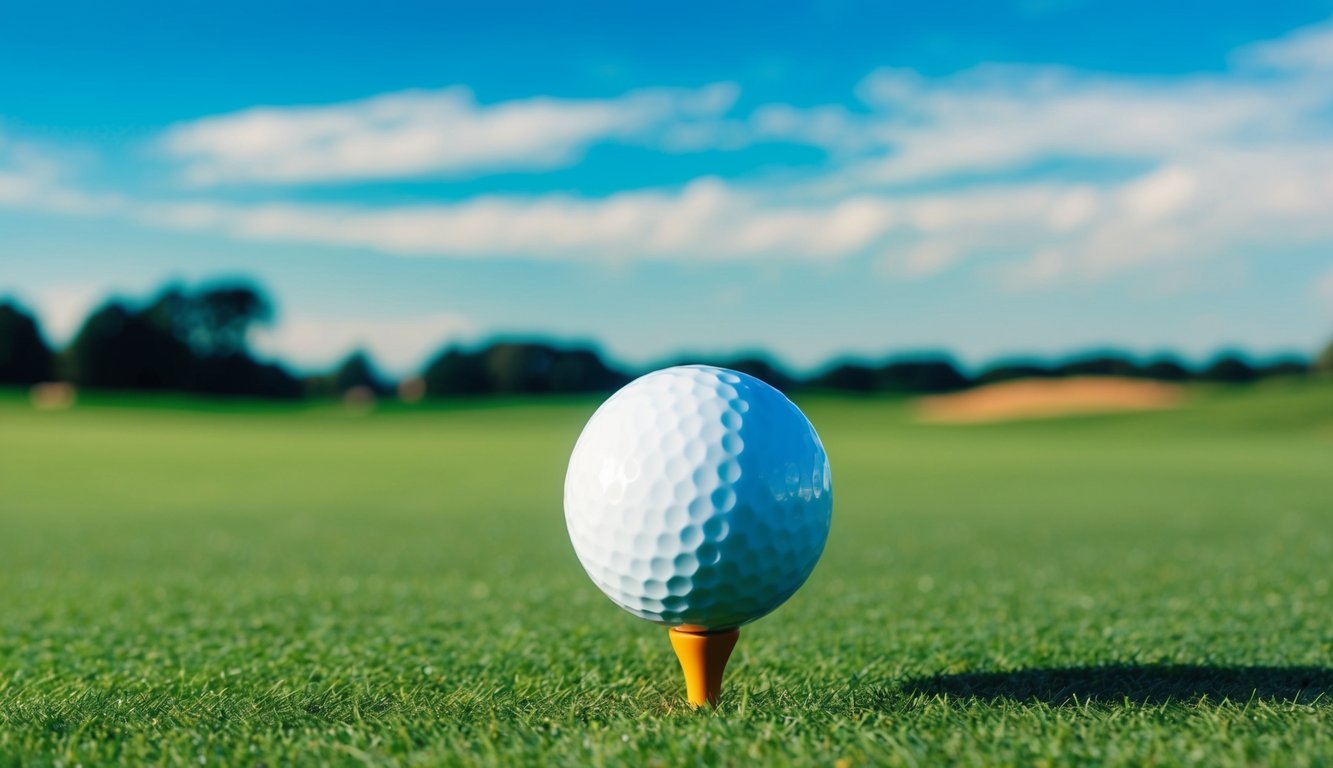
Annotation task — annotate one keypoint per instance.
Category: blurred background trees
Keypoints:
(196, 340)
(213, 321)
(1229, 368)
(355, 377)
(357, 372)
(921, 375)
(184, 341)
(1166, 369)
(519, 368)
(24, 357)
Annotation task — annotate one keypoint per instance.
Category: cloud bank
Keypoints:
(1033, 175)
(416, 133)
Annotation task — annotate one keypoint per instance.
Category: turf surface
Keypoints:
(247, 585)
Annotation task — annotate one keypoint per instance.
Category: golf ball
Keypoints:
(698, 497)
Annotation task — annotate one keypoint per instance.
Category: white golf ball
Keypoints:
(698, 497)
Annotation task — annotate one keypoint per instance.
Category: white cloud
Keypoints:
(1160, 194)
(1000, 118)
(934, 174)
(398, 345)
(1175, 213)
(1309, 49)
(707, 219)
(1240, 160)
(830, 127)
(414, 133)
(32, 176)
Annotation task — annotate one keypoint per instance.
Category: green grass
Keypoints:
(256, 585)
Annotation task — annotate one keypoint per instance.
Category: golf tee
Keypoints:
(703, 656)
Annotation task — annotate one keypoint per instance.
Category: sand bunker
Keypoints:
(1047, 398)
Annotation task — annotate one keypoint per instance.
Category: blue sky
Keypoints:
(1010, 178)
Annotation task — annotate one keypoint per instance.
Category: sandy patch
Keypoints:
(1048, 398)
(52, 395)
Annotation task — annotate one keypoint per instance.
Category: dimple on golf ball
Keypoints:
(698, 497)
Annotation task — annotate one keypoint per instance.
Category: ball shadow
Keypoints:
(1137, 683)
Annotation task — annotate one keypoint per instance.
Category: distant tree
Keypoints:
(583, 370)
(1011, 371)
(519, 368)
(1229, 369)
(121, 349)
(358, 371)
(926, 375)
(1166, 369)
(847, 377)
(193, 342)
(318, 385)
(214, 321)
(1099, 365)
(168, 311)
(1284, 367)
(242, 375)
(456, 372)
(24, 357)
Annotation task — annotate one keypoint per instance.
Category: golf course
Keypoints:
(199, 582)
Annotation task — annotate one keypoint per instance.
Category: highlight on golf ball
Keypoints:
(699, 498)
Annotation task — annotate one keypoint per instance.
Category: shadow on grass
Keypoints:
(1142, 684)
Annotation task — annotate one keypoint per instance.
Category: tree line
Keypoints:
(195, 340)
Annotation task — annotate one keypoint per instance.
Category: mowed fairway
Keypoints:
(251, 585)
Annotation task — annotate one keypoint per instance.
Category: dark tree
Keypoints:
(1011, 371)
(358, 371)
(274, 380)
(120, 349)
(1166, 369)
(927, 375)
(1287, 366)
(847, 377)
(512, 367)
(214, 323)
(192, 342)
(1100, 365)
(242, 375)
(1229, 369)
(456, 372)
(24, 357)
(582, 370)
(519, 368)
(215, 320)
